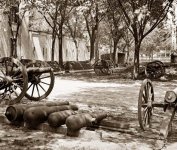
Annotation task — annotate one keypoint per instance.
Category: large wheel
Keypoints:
(40, 85)
(145, 101)
(13, 80)
(154, 69)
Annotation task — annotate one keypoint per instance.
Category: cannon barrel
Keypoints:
(75, 122)
(57, 119)
(36, 115)
(39, 70)
(15, 112)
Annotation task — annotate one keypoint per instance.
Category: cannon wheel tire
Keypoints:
(14, 80)
(145, 100)
(40, 85)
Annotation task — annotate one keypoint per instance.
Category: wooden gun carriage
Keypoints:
(19, 78)
(146, 105)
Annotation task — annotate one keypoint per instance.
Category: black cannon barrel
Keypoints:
(75, 122)
(36, 115)
(57, 119)
(15, 112)
(39, 70)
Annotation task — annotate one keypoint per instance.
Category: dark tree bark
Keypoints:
(115, 59)
(60, 43)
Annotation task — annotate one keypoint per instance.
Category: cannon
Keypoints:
(14, 113)
(75, 122)
(32, 80)
(57, 119)
(155, 69)
(146, 105)
(34, 116)
(104, 67)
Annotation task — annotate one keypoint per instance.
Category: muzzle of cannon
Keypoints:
(14, 113)
(36, 115)
(57, 119)
(75, 122)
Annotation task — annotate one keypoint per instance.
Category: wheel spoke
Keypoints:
(37, 90)
(42, 88)
(3, 72)
(17, 79)
(32, 90)
(29, 86)
(145, 118)
(44, 83)
(15, 92)
(6, 67)
(17, 86)
(144, 97)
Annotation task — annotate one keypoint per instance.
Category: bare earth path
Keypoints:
(116, 97)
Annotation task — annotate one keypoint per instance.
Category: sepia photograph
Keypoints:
(88, 74)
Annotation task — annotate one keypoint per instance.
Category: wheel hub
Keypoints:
(35, 80)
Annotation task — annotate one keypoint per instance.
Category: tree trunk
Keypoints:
(115, 53)
(53, 45)
(97, 49)
(92, 49)
(77, 49)
(136, 60)
(60, 42)
(128, 54)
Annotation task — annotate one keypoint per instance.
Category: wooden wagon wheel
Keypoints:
(13, 80)
(40, 85)
(145, 109)
(154, 70)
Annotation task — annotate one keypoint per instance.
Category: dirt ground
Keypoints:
(117, 97)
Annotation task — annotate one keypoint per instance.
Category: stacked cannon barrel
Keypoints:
(54, 114)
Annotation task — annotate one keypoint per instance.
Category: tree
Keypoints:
(15, 10)
(75, 28)
(55, 12)
(93, 12)
(142, 17)
(128, 39)
(157, 40)
(116, 25)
